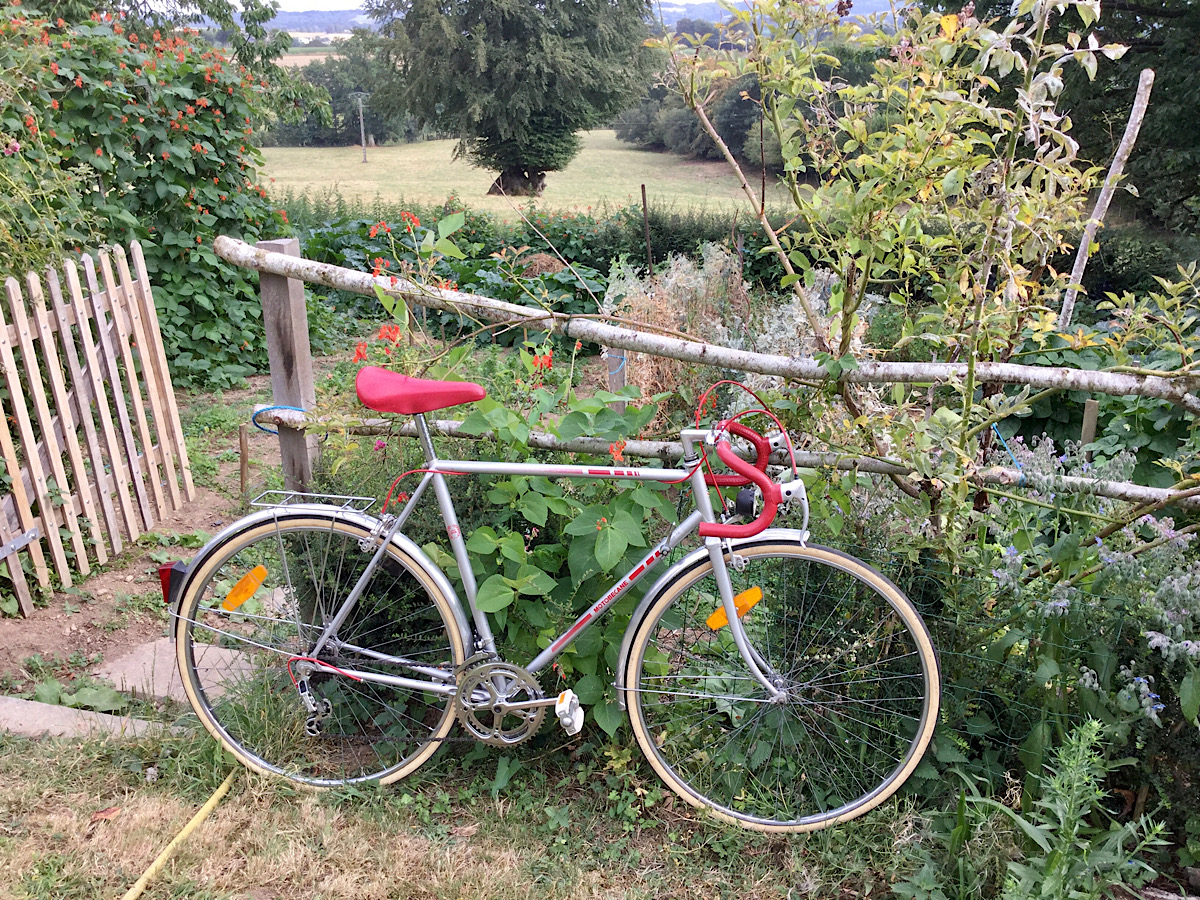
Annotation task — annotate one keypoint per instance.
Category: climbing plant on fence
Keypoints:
(155, 130)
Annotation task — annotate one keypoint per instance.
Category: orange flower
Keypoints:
(617, 449)
(360, 352)
(78, 81)
(391, 333)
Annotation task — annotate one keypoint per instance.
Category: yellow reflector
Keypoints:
(245, 588)
(743, 603)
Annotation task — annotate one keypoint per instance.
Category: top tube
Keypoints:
(482, 467)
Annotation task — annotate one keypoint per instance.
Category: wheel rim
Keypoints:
(245, 668)
(858, 674)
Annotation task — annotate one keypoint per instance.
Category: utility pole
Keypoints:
(362, 128)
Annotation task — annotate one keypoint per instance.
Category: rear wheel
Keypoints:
(249, 619)
(851, 656)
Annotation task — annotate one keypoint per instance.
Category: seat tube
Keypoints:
(483, 629)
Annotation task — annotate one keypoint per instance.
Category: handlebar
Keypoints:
(762, 450)
(746, 473)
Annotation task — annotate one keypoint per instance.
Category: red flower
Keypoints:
(99, 151)
(78, 81)
(617, 449)
(360, 352)
(54, 67)
(410, 220)
(391, 333)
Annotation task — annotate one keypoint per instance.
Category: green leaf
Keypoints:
(610, 547)
(451, 224)
(506, 767)
(1189, 696)
(48, 692)
(483, 540)
(533, 507)
(590, 690)
(573, 425)
(447, 247)
(608, 716)
(99, 699)
(1047, 670)
(533, 581)
(494, 595)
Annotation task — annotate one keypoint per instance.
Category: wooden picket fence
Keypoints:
(90, 432)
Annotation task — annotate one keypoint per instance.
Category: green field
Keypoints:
(606, 172)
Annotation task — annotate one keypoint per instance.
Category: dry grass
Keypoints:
(605, 172)
(265, 841)
(708, 302)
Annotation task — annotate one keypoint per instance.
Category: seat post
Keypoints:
(424, 437)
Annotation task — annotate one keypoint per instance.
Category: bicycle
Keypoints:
(783, 685)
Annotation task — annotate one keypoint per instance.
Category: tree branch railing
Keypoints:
(672, 451)
(1177, 389)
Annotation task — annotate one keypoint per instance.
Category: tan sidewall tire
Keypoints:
(222, 553)
(836, 559)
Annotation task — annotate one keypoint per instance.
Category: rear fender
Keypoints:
(369, 523)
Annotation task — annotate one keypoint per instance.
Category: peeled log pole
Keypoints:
(1175, 390)
(671, 451)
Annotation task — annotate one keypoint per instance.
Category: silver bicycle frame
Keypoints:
(483, 639)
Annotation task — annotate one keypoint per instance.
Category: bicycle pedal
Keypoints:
(569, 712)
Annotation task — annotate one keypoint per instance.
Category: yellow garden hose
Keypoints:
(208, 807)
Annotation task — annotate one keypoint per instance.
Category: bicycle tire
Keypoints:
(857, 665)
(237, 666)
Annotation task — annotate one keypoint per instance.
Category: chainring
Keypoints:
(484, 692)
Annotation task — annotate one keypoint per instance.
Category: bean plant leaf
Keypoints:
(494, 595)
(610, 546)
(608, 716)
(590, 690)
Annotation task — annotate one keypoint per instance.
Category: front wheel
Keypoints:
(853, 661)
(250, 616)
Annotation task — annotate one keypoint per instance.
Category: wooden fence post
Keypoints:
(1091, 414)
(616, 375)
(286, 322)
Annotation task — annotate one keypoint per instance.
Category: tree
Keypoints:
(351, 68)
(1163, 35)
(514, 80)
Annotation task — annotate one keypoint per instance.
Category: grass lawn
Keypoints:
(605, 172)
(81, 819)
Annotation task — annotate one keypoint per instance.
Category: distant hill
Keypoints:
(345, 20)
(335, 21)
(711, 11)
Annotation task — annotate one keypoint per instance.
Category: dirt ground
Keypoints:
(119, 606)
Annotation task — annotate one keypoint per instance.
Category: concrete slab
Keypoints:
(34, 719)
(148, 671)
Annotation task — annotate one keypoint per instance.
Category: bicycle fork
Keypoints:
(758, 666)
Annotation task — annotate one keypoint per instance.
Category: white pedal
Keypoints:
(569, 712)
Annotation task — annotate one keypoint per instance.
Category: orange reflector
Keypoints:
(743, 603)
(245, 588)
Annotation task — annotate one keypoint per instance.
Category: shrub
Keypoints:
(157, 127)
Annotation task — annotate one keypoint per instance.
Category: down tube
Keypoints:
(600, 607)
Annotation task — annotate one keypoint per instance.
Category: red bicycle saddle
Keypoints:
(386, 391)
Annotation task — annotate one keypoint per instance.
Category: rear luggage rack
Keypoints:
(273, 499)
